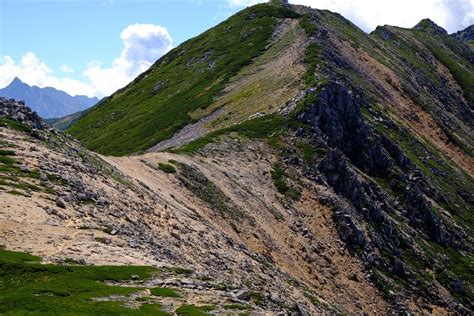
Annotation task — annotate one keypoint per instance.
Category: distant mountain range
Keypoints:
(47, 102)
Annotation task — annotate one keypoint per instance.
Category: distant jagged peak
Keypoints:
(429, 25)
(465, 35)
(16, 80)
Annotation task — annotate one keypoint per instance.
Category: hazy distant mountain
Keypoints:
(47, 102)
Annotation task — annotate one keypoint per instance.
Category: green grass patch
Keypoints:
(265, 127)
(181, 270)
(256, 297)
(312, 60)
(309, 27)
(279, 178)
(177, 270)
(8, 160)
(15, 192)
(4, 152)
(7, 256)
(107, 230)
(100, 239)
(164, 292)
(315, 300)
(17, 184)
(167, 168)
(309, 100)
(193, 310)
(196, 182)
(28, 287)
(452, 55)
(236, 306)
(309, 152)
(14, 125)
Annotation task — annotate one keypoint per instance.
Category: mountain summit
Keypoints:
(282, 162)
(429, 25)
(47, 102)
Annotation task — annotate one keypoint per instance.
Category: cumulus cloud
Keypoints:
(453, 15)
(66, 68)
(33, 71)
(143, 45)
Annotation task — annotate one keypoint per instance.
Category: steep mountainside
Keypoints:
(466, 35)
(179, 87)
(47, 102)
(310, 168)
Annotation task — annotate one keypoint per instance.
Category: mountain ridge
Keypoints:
(48, 102)
(303, 164)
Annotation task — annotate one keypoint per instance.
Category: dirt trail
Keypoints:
(187, 134)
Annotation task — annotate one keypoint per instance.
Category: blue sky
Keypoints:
(76, 32)
(94, 47)
(71, 34)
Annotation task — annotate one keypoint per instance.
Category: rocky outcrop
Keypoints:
(337, 121)
(429, 25)
(357, 155)
(465, 35)
(18, 111)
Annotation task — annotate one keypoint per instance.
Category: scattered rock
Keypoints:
(60, 203)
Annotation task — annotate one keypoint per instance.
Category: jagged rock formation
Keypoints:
(466, 35)
(356, 149)
(21, 113)
(326, 169)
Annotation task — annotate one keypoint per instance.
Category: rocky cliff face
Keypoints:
(21, 113)
(326, 171)
(466, 35)
(360, 161)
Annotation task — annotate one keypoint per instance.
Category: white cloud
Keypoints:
(453, 15)
(35, 72)
(66, 68)
(144, 44)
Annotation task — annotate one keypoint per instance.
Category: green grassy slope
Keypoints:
(28, 287)
(156, 104)
(63, 123)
